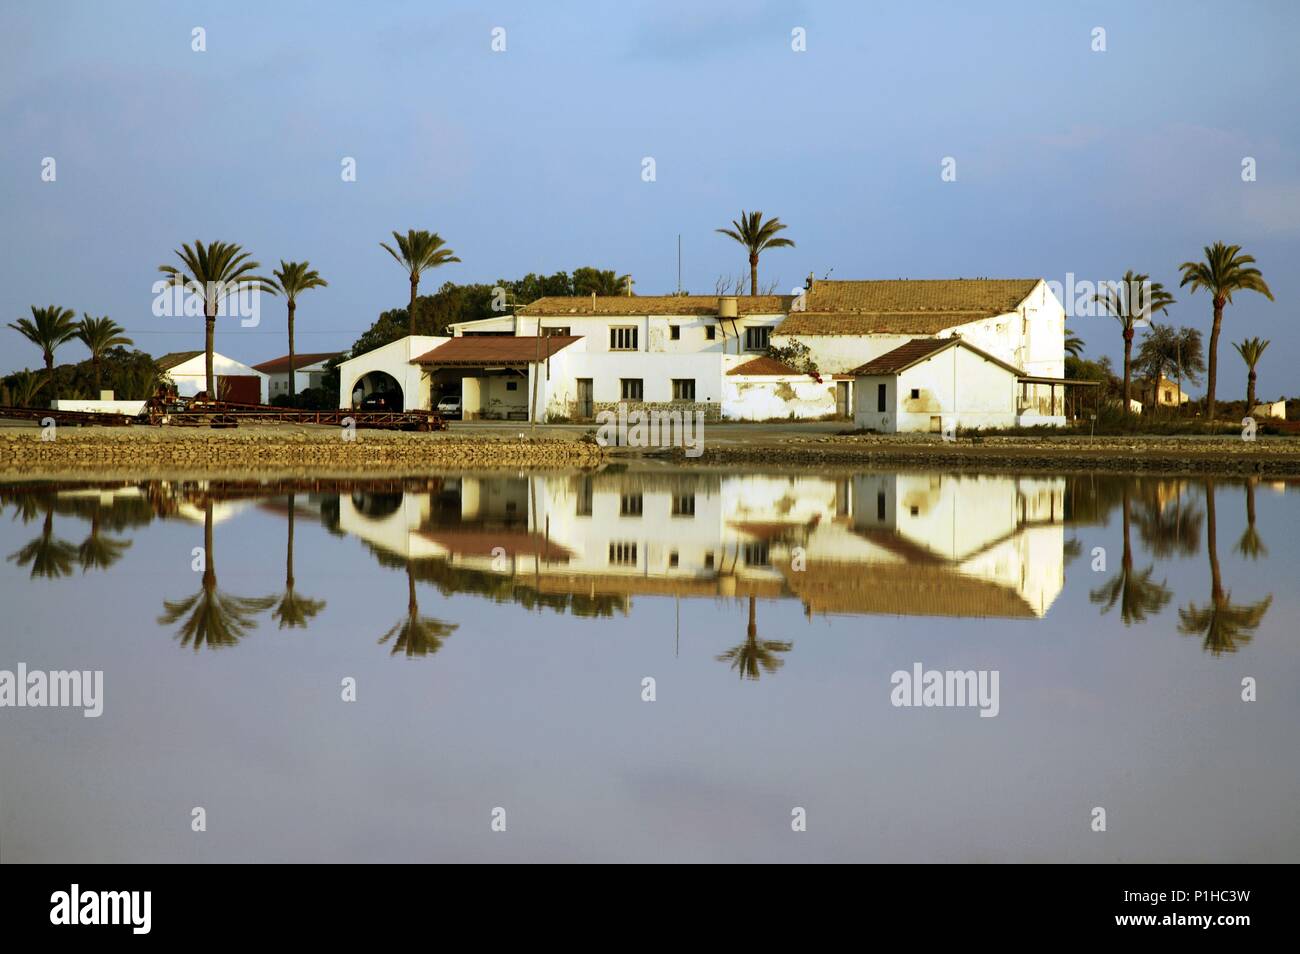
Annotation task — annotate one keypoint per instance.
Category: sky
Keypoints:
(1068, 160)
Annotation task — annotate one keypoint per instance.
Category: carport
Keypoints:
(491, 372)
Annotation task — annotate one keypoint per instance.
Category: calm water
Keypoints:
(500, 630)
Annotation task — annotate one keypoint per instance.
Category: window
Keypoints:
(630, 388)
(880, 505)
(709, 331)
(629, 505)
(622, 339)
(916, 394)
(915, 510)
(683, 505)
(555, 332)
(756, 338)
(880, 398)
(512, 385)
(683, 389)
(708, 560)
(756, 554)
(622, 554)
(675, 332)
(584, 497)
(673, 559)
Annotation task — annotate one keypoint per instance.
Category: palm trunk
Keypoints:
(288, 559)
(753, 274)
(1250, 391)
(1212, 376)
(49, 375)
(1126, 561)
(99, 374)
(751, 630)
(1250, 503)
(415, 289)
(293, 374)
(209, 569)
(1128, 366)
(412, 606)
(209, 343)
(1211, 545)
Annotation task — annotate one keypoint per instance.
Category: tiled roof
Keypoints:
(904, 306)
(281, 364)
(174, 358)
(903, 589)
(917, 350)
(618, 305)
(764, 365)
(495, 350)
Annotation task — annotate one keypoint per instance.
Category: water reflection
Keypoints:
(900, 544)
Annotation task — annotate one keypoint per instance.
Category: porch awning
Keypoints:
(1064, 382)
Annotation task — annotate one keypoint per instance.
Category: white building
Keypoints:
(309, 369)
(696, 352)
(236, 381)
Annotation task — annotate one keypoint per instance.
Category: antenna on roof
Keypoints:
(679, 263)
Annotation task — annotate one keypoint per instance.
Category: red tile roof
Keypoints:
(477, 350)
(764, 365)
(281, 365)
(917, 350)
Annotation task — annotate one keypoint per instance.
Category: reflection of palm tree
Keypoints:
(752, 658)
(1222, 623)
(97, 552)
(1250, 545)
(48, 556)
(1138, 596)
(212, 618)
(1169, 531)
(417, 635)
(294, 610)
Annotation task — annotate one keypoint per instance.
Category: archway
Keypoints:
(379, 382)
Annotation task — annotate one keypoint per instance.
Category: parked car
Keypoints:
(381, 401)
(450, 406)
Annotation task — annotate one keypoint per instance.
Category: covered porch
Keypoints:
(1049, 402)
(493, 375)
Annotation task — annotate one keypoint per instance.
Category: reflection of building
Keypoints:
(905, 544)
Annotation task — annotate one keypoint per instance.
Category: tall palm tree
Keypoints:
(212, 618)
(752, 657)
(757, 236)
(100, 334)
(417, 252)
(417, 635)
(48, 328)
(1221, 623)
(1135, 299)
(290, 279)
(294, 609)
(1250, 545)
(1224, 271)
(47, 555)
(214, 272)
(1137, 594)
(1251, 350)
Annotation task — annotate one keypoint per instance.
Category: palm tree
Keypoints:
(212, 618)
(417, 635)
(1135, 299)
(97, 552)
(293, 609)
(1138, 596)
(47, 555)
(100, 334)
(1224, 271)
(1073, 344)
(417, 252)
(214, 272)
(290, 279)
(757, 236)
(48, 328)
(1222, 623)
(752, 658)
(1251, 350)
(25, 387)
(1250, 545)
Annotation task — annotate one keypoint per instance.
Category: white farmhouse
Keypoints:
(236, 381)
(569, 358)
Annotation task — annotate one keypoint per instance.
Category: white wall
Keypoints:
(190, 377)
(763, 397)
(394, 359)
(958, 386)
(839, 354)
(654, 332)
(101, 407)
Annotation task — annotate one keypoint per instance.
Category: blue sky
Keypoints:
(1068, 160)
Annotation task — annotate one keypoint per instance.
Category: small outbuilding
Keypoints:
(236, 381)
(936, 384)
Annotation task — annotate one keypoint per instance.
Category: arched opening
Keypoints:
(378, 390)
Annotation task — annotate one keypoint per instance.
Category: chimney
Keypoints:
(810, 282)
(593, 303)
